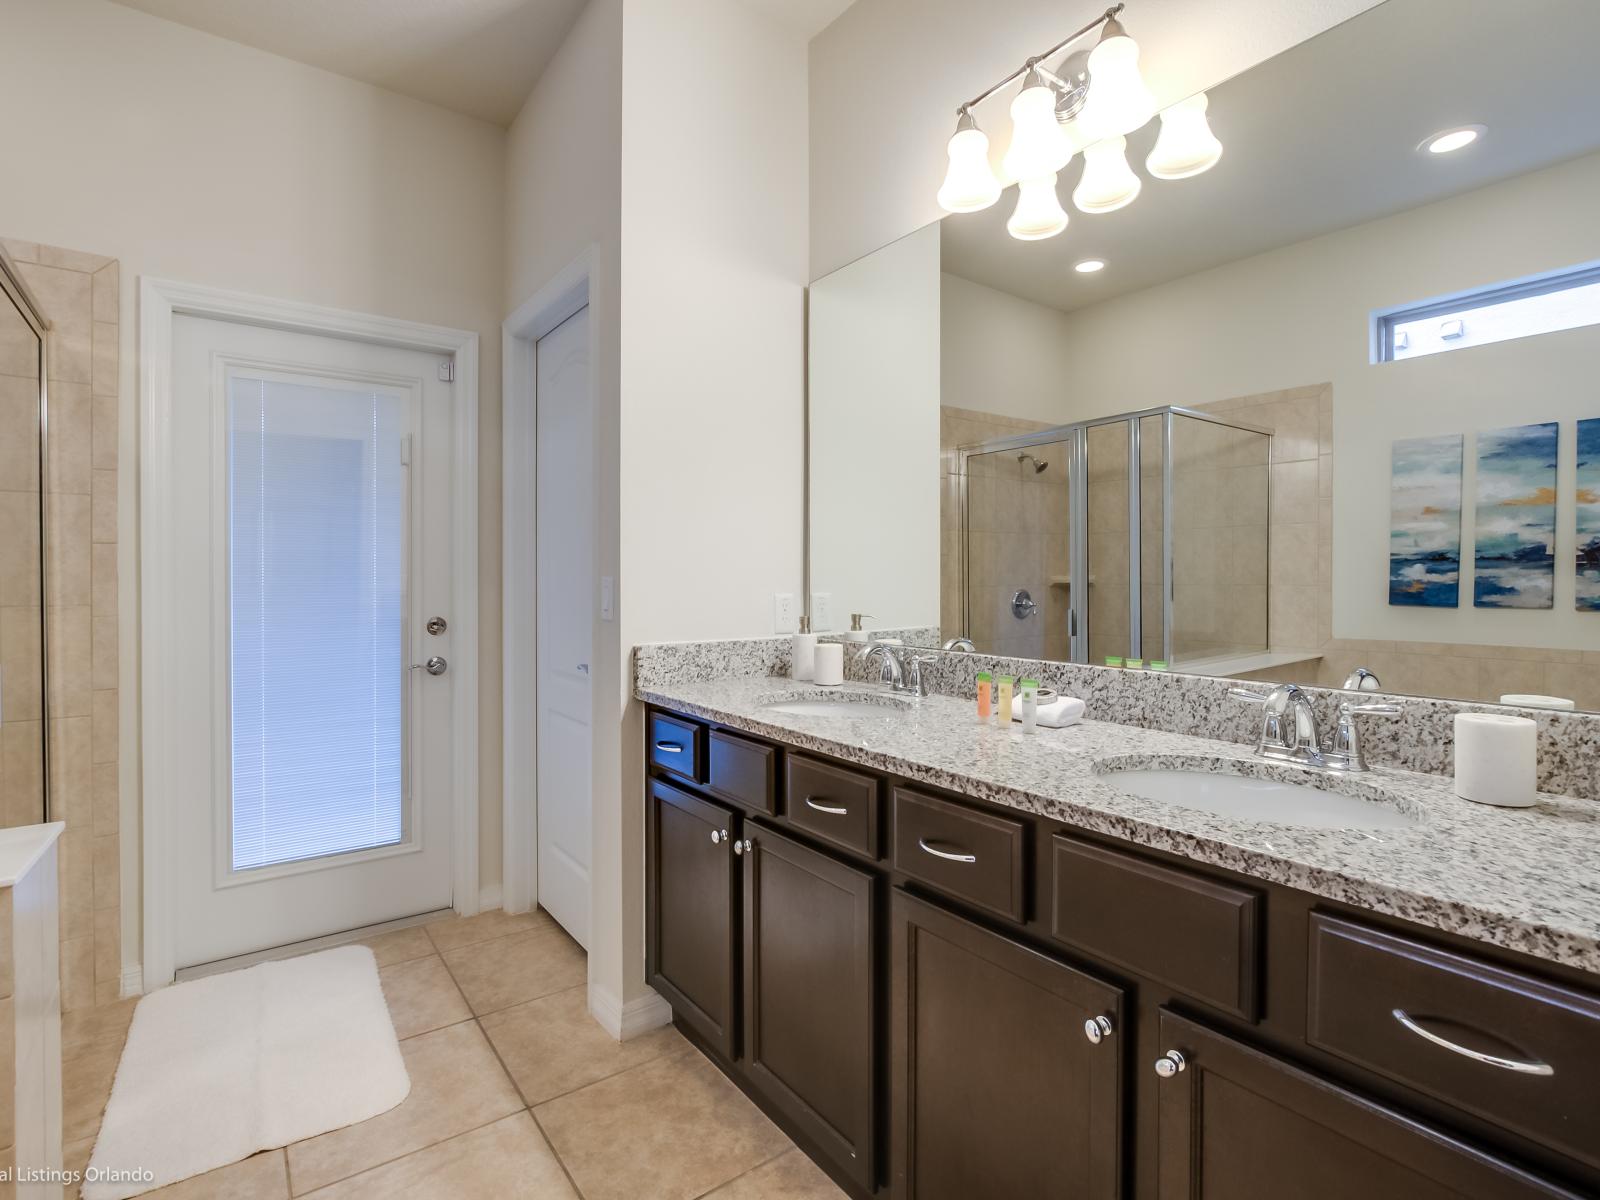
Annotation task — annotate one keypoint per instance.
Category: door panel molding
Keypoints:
(160, 300)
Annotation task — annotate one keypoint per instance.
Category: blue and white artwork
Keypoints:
(1515, 559)
(1425, 522)
(1588, 564)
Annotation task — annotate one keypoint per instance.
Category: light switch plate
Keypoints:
(608, 597)
(783, 613)
(821, 612)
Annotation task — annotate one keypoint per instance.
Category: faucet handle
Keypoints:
(1350, 707)
(1247, 695)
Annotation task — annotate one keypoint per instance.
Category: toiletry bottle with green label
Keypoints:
(1030, 705)
(1005, 682)
(985, 695)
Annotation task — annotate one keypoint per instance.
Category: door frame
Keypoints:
(160, 300)
(568, 291)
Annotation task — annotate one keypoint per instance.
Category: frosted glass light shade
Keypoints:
(970, 183)
(1108, 181)
(1118, 101)
(1038, 146)
(1186, 145)
(1038, 214)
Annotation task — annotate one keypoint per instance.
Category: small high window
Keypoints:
(1542, 304)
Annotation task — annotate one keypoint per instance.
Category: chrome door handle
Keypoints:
(832, 809)
(1170, 1063)
(669, 747)
(434, 666)
(947, 855)
(1494, 1060)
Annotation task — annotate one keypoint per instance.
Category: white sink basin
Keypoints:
(1253, 799)
(841, 706)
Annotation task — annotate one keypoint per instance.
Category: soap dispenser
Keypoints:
(803, 653)
(855, 632)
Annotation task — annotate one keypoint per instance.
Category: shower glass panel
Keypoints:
(1108, 544)
(23, 767)
(1153, 550)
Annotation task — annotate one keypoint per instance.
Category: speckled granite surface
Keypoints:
(1524, 879)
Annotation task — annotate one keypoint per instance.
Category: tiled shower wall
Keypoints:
(79, 294)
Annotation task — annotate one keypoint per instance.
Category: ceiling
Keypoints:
(1320, 138)
(478, 57)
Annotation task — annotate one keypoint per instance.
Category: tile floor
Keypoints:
(515, 1092)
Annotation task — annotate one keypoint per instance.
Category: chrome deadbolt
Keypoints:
(436, 625)
(434, 666)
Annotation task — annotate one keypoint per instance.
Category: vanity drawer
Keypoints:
(1193, 933)
(975, 856)
(1511, 1048)
(742, 771)
(677, 746)
(835, 804)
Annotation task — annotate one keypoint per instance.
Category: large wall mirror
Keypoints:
(1332, 404)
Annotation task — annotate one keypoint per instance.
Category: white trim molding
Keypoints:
(625, 1021)
(160, 300)
(559, 299)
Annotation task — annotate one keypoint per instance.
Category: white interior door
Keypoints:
(313, 544)
(564, 563)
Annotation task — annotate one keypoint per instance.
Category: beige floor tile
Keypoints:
(506, 971)
(508, 1159)
(422, 996)
(399, 945)
(260, 1177)
(456, 1086)
(454, 932)
(96, 1030)
(553, 1046)
(85, 1088)
(670, 1129)
(790, 1176)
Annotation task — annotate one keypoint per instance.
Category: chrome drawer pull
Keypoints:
(834, 809)
(947, 855)
(1493, 1060)
(669, 747)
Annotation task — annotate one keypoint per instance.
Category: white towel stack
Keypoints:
(1060, 712)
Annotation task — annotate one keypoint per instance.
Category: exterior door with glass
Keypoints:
(313, 548)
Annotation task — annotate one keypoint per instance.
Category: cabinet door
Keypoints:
(997, 1088)
(1238, 1124)
(693, 907)
(810, 1042)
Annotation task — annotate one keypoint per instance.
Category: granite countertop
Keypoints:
(1525, 879)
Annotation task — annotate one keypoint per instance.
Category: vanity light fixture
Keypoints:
(970, 184)
(1118, 100)
(1038, 214)
(1108, 181)
(1186, 146)
(1039, 146)
(1090, 265)
(1448, 140)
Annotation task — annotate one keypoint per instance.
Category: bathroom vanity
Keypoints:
(957, 961)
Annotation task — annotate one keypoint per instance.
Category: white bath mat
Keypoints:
(219, 1068)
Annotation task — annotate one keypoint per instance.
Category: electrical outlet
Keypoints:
(783, 615)
(821, 612)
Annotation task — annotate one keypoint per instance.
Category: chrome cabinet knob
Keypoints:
(1097, 1029)
(1170, 1063)
(743, 847)
(718, 836)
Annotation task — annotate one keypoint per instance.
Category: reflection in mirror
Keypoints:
(1274, 350)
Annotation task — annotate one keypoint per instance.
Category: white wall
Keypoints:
(886, 78)
(1300, 315)
(190, 157)
(1002, 354)
(874, 334)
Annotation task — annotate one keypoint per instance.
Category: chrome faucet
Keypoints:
(962, 645)
(903, 677)
(1288, 725)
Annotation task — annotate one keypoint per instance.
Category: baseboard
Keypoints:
(489, 897)
(132, 981)
(625, 1021)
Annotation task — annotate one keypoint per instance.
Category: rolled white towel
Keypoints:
(1060, 712)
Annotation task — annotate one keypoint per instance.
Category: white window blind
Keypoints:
(316, 514)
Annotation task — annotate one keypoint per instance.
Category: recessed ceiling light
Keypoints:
(1090, 265)
(1447, 140)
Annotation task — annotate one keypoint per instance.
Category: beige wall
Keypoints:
(193, 158)
(887, 75)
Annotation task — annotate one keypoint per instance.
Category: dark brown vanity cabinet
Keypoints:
(1237, 1122)
(810, 995)
(998, 1087)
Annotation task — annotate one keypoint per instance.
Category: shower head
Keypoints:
(1038, 465)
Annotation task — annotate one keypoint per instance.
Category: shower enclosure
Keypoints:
(1140, 535)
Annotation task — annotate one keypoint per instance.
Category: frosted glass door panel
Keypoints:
(317, 561)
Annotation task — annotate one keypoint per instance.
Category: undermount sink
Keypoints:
(1256, 798)
(843, 704)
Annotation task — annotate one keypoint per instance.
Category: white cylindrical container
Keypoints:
(830, 664)
(803, 656)
(1496, 759)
